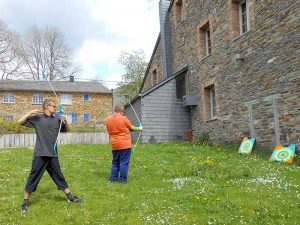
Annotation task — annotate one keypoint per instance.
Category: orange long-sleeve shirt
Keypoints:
(118, 129)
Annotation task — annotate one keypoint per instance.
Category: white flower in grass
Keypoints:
(179, 182)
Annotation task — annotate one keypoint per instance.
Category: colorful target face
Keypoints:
(284, 154)
(247, 145)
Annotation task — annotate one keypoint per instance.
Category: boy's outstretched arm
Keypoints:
(134, 128)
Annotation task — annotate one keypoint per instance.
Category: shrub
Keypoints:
(204, 139)
(13, 127)
(10, 127)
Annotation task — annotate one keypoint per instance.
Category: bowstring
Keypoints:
(140, 124)
(55, 144)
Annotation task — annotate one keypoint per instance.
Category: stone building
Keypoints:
(224, 68)
(85, 103)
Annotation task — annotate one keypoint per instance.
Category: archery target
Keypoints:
(246, 146)
(284, 154)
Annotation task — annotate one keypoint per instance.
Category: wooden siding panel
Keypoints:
(28, 140)
(164, 118)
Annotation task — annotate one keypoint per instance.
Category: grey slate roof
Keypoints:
(59, 86)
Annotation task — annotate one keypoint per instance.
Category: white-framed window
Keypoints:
(9, 97)
(68, 117)
(244, 16)
(213, 105)
(37, 98)
(205, 39)
(207, 42)
(9, 118)
(71, 118)
(210, 103)
(66, 99)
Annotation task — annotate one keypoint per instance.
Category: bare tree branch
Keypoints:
(47, 55)
(10, 60)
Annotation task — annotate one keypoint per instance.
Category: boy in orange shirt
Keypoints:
(119, 127)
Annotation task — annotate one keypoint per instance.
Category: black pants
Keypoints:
(39, 165)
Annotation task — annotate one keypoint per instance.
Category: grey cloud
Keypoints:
(71, 16)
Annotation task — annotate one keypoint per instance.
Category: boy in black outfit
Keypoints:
(45, 155)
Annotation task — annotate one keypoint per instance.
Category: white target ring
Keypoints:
(246, 146)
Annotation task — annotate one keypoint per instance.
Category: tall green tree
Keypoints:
(135, 67)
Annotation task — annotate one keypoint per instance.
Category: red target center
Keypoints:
(282, 154)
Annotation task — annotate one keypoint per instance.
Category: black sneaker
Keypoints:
(24, 207)
(73, 198)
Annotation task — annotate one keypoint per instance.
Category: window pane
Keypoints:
(86, 98)
(37, 98)
(74, 118)
(86, 117)
(243, 7)
(154, 77)
(244, 28)
(180, 86)
(208, 42)
(8, 97)
(71, 117)
(213, 103)
(244, 17)
(9, 118)
(57, 115)
(68, 117)
(178, 11)
(66, 99)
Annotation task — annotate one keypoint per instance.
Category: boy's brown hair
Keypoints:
(46, 102)
(119, 108)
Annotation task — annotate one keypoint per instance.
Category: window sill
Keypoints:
(178, 24)
(212, 119)
(242, 35)
(8, 102)
(205, 57)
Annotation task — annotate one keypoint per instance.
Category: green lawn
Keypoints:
(168, 184)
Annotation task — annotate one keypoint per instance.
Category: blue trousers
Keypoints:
(120, 165)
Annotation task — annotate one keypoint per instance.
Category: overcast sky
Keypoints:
(97, 30)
